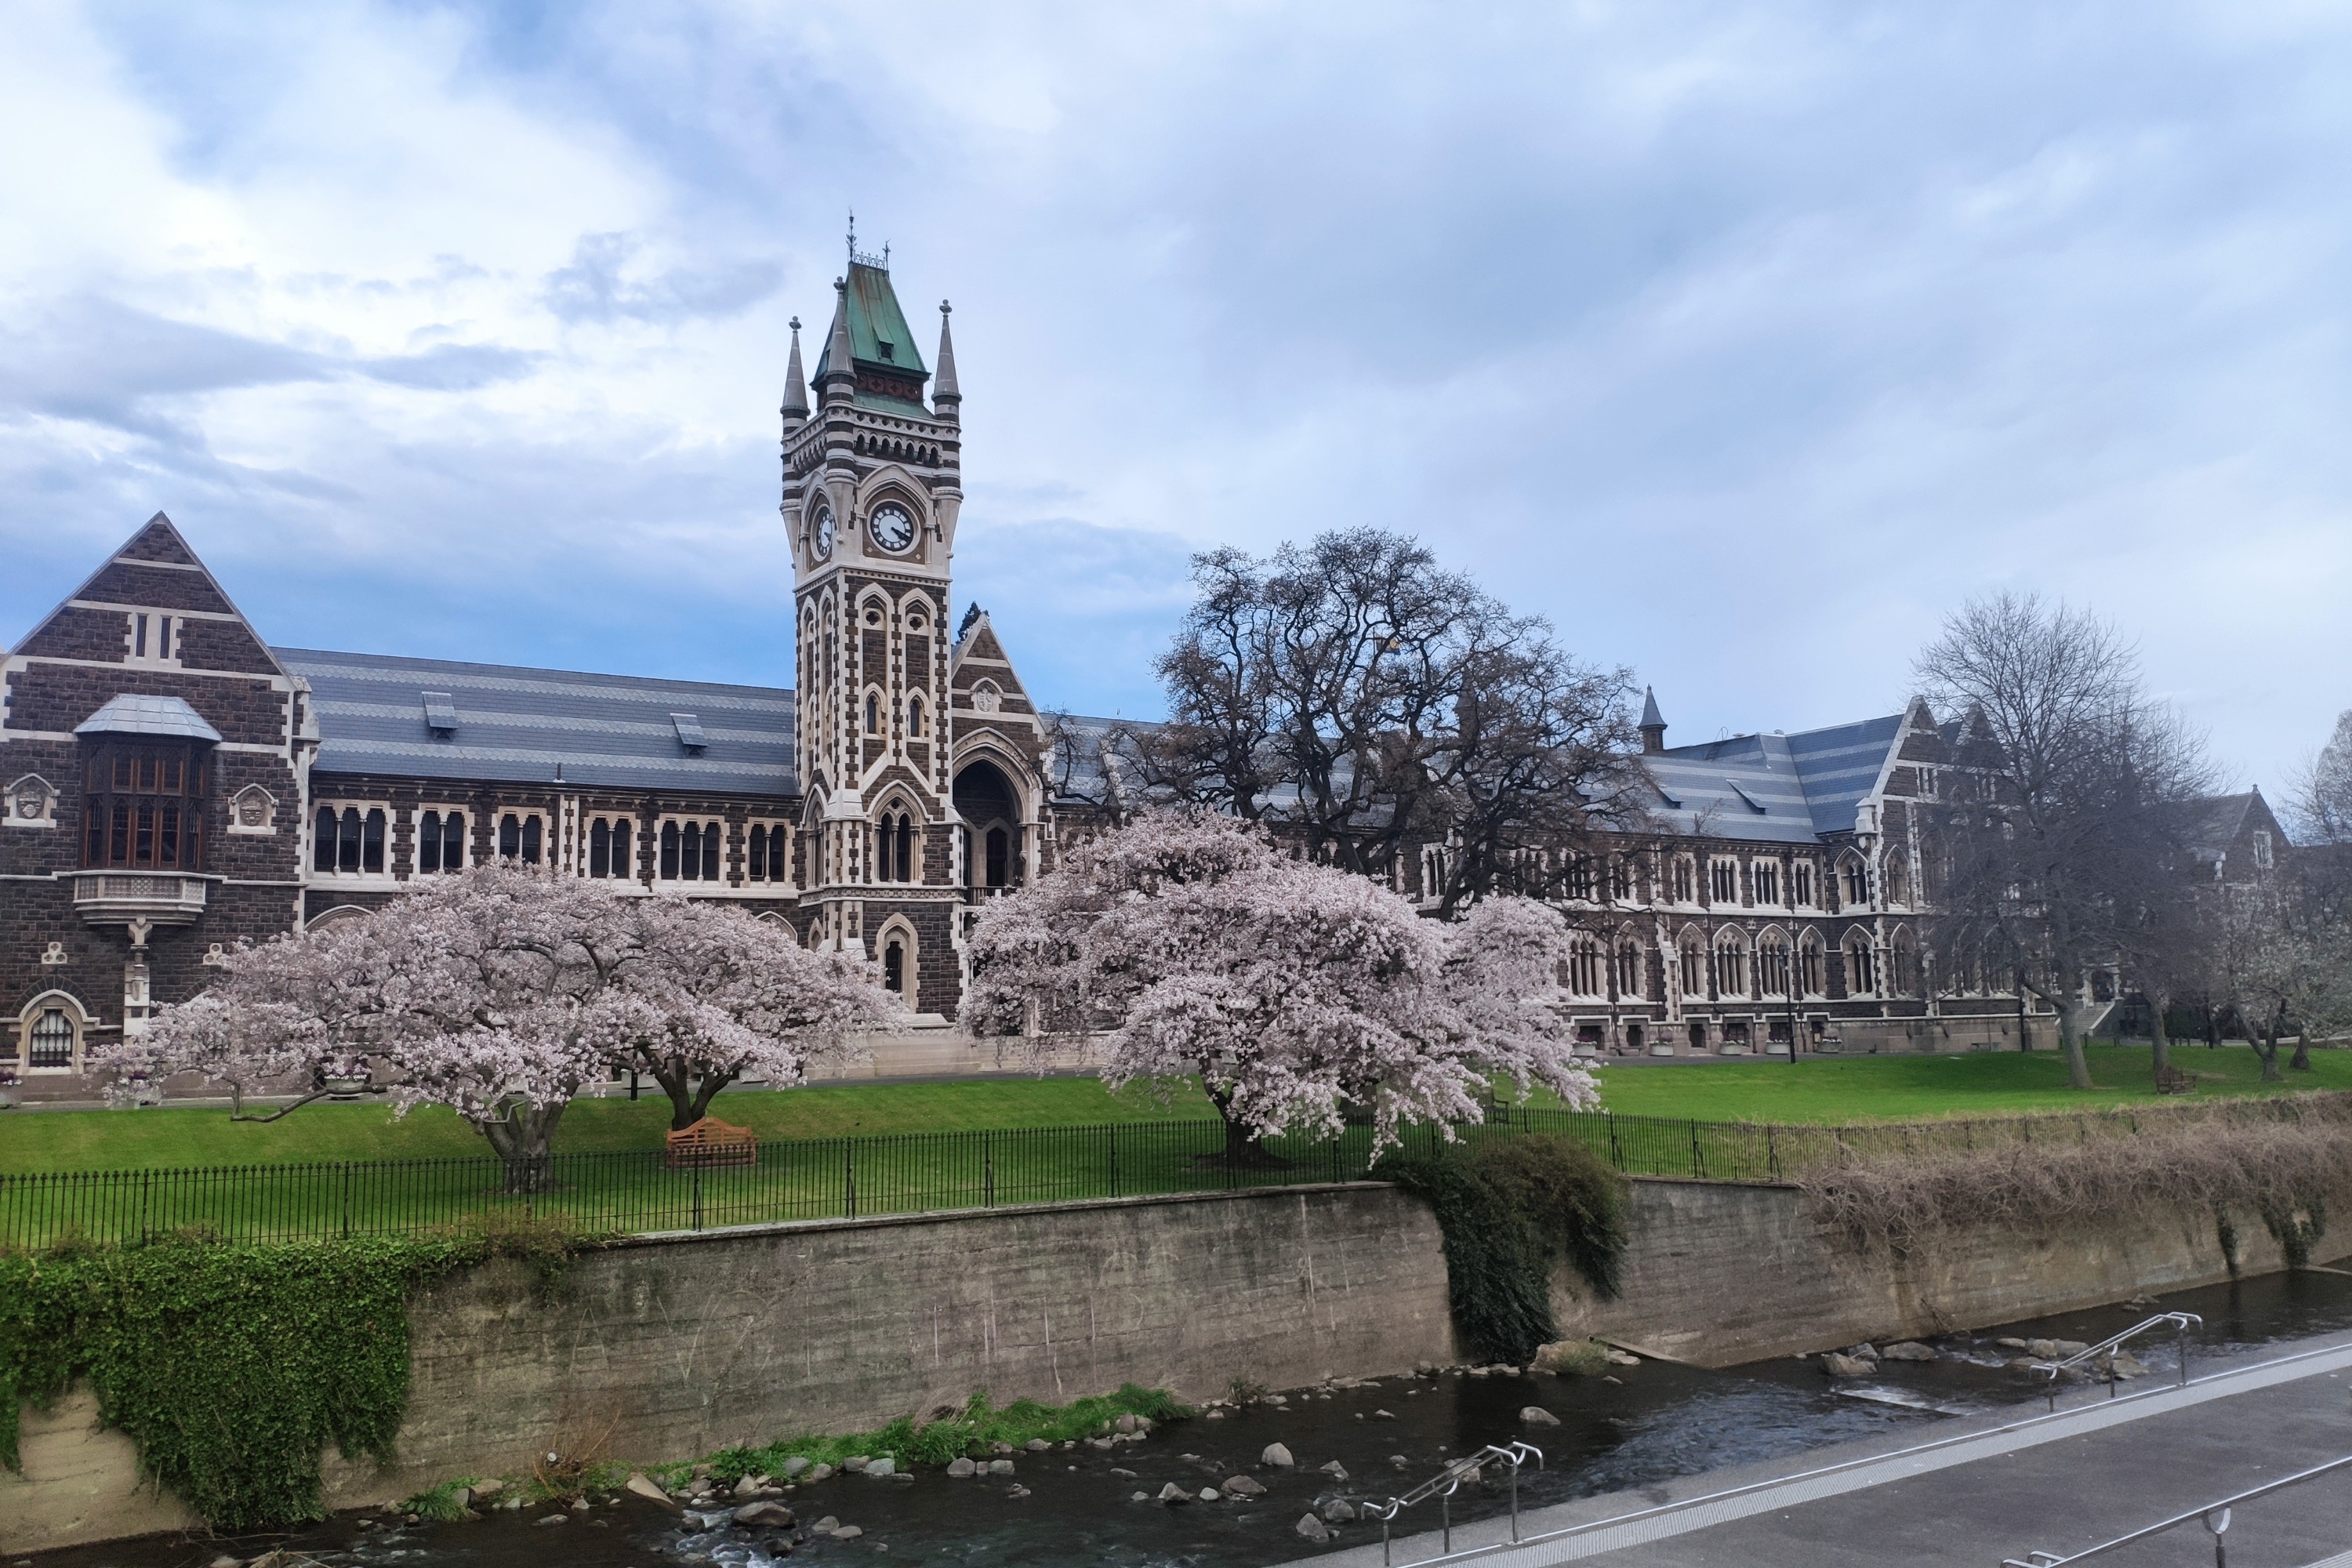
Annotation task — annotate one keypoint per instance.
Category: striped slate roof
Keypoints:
(519, 724)
(1775, 788)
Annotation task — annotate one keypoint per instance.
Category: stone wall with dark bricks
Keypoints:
(58, 697)
(155, 587)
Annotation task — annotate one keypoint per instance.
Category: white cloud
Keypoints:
(1743, 341)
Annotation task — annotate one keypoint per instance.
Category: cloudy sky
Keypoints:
(1742, 341)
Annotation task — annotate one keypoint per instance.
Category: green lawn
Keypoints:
(1838, 1090)
(170, 1136)
(1909, 1088)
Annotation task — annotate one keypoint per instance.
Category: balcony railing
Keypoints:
(162, 898)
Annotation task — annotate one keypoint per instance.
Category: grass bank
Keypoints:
(1817, 1091)
(170, 1136)
(1926, 1088)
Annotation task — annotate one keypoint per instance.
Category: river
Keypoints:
(1655, 1422)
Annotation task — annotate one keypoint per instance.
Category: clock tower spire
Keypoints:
(871, 489)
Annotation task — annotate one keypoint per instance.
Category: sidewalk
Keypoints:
(1974, 1492)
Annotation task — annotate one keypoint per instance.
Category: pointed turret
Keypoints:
(1654, 723)
(796, 404)
(836, 373)
(946, 395)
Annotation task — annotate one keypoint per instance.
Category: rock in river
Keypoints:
(1537, 1415)
(1276, 1456)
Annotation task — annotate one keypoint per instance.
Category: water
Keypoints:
(1656, 1423)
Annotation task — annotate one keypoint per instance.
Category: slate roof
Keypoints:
(519, 724)
(136, 715)
(2215, 822)
(1775, 788)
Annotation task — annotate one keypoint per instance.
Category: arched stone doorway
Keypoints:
(991, 809)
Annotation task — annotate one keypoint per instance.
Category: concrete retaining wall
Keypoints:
(1720, 1274)
(685, 1344)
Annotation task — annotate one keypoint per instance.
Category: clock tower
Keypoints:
(871, 489)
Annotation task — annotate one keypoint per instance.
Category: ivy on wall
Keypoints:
(232, 1367)
(1509, 1208)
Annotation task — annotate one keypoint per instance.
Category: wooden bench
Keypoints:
(2172, 1080)
(710, 1143)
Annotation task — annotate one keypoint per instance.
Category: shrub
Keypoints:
(232, 1367)
(1509, 1208)
(2284, 1170)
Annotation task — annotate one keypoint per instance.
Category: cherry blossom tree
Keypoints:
(1290, 990)
(713, 995)
(501, 994)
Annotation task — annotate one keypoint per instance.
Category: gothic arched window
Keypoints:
(1860, 965)
(914, 718)
(873, 712)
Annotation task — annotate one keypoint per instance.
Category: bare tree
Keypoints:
(2068, 864)
(1360, 700)
(2320, 805)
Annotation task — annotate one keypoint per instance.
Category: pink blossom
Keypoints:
(503, 993)
(1291, 990)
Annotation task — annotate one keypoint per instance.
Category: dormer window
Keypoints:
(690, 730)
(440, 714)
(886, 348)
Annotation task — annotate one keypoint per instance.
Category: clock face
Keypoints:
(892, 528)
(823, 533)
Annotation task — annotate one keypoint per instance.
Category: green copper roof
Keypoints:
(878, 334)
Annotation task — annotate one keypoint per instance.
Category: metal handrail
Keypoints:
(1443, 1485)
(2218, 1526)
(2181, 1323)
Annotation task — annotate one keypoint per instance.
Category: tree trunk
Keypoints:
(2266, 1047)
(1244, 1150)
(690, 1098)
(523, 1137)
(2078, 1068)
(2159, 1046)
(2301, 1061)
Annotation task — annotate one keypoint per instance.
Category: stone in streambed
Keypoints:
(1209, 1494)
(881, 1470)
(960, 1469)
(765, 1514)
(793, 1467)
(1338, 1511)
(1907, 1350)
(1000, 1466)
(1537, 1415)
(1335, 1468)
(1838, 1364)
(1241, 1485)
(640, 1484)
(1276, 1456)
(1037, 1445)
(1312, 1528)
(1172, 1495)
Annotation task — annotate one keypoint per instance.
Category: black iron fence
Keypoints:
(634, 1192)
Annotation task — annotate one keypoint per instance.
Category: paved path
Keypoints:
(1974, 1493)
